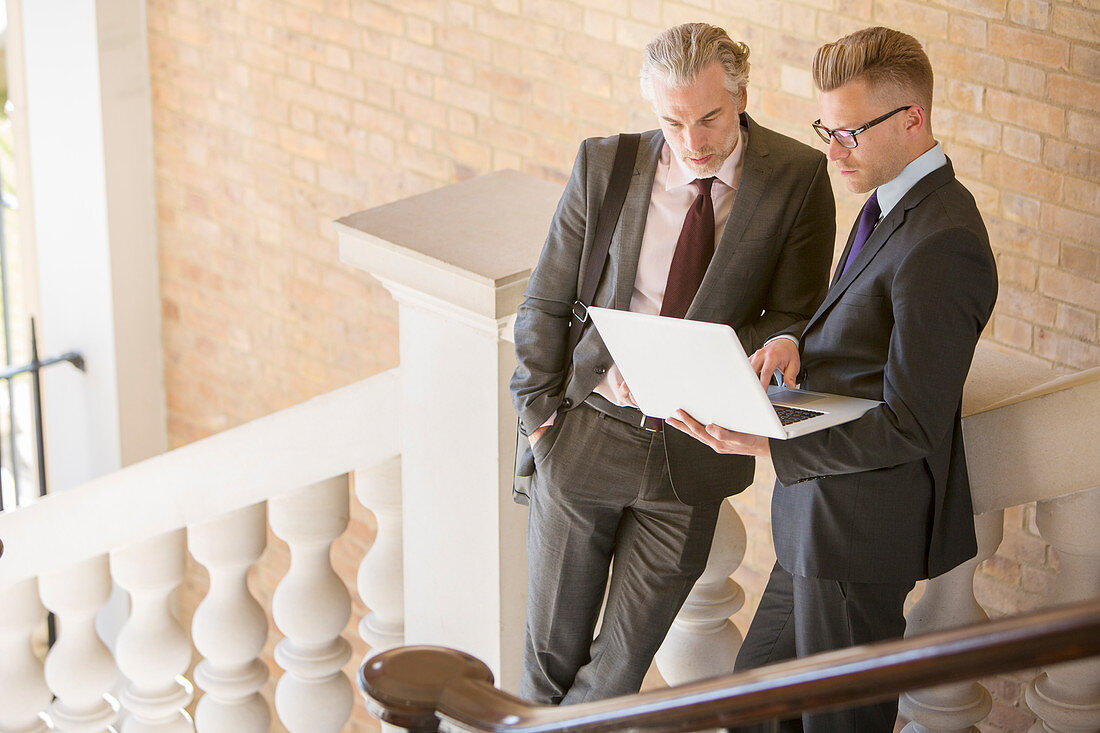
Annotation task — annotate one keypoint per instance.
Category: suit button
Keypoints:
(600, 370)
(566, 403)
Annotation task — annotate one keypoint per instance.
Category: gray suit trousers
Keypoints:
(800, 616)
(602, 504)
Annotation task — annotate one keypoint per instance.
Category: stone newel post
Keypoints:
(457, 261)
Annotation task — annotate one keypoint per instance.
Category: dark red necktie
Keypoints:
(694, 248)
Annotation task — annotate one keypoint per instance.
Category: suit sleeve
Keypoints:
(801, 275)
(542, 320)
(941, 296)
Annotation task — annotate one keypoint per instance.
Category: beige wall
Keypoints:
(273, 117)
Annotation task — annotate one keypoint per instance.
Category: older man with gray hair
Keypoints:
(723, 221)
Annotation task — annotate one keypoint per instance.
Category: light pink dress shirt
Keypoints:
(673, 194)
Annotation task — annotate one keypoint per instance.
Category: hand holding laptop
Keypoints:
(720, 439)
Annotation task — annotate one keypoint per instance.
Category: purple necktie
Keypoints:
(867, 221)
(694, 248)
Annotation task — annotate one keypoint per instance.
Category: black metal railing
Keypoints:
(11, 371)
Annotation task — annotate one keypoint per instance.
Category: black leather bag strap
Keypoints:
(626, 153)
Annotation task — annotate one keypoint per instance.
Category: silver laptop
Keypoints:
(671, 364)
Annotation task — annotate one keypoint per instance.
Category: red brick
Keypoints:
(1080, 23)
(1020, 176)
(1030, 306)
(1071, 158)
(1025, 112)
(1075, 91)
(1070, 223)
(1086, 60)
(1020, 209)
(1084, 127)
(1026, 79)
(1078, 323)
(964, 63)
(1013, 332)
(1083, 261)
(1065, 350)
(1040, 48)
(968, 31)
(917, 18)
(1032, 13)
(464, 42)
(1017, 270)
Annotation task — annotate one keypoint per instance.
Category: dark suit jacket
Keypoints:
(769, 272)
(886, 498)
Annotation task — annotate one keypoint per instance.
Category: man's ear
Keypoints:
(743, 100)
(916, 120)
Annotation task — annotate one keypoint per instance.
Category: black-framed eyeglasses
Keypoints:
(847, 138)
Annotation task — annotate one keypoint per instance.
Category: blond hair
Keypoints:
(892, 63)
(680, 53)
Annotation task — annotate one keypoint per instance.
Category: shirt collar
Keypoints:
(891, 192)
(680, 175)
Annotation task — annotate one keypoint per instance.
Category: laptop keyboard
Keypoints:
(788, 415)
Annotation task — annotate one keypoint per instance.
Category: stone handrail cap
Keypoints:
(464, 244)
(999, 378)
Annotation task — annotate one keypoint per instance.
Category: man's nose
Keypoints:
(836, 150)
(696, 139)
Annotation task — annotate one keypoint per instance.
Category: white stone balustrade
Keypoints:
(311, 606)
(23, 689)
(229, 626)
(948, 602)
(79, 669)
(1066, 697)
(703, 642)
(380, 580)
(152, 649)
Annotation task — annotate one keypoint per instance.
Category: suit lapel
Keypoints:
(755, 175)
(880, 236)
(628, 240)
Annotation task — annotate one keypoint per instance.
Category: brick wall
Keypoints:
(274, 117)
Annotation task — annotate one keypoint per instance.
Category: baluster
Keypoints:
(79, 669)
(948, 602)
(153, 650)
(703, 642)
(1064, 696)
(380, 581)
(22, 681)
(311, 606)
(229, 627)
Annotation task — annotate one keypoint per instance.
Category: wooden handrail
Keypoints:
(417, 687)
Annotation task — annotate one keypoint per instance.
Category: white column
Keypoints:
(457, 261)
(79, 669)
(229, 626)
(381, 581)
(22, 681)
(311, 606)
(1066, 697)
(948, 602)
(153, 651)
(703, 642)
(84, 100)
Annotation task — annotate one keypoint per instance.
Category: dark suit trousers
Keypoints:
(602, 493)
(800, 616)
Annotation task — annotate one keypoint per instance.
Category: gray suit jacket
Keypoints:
(768, 273)
(886, 498)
